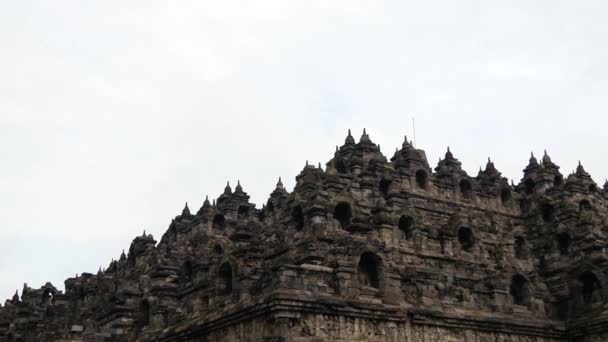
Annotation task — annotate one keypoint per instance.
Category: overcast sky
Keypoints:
(115, 113)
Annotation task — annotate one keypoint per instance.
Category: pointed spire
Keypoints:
(186, 211)
(144, 234)
(580, 170)
(349, 139)
(15, 299)
(123, 256)
(227, 189)
(239, 188)
(448, 154)
(533, 163)
(214, 203)
(364, 137)
(406, 143)
(206, 204)
(319, 167)
(606, 185)
(280, 184)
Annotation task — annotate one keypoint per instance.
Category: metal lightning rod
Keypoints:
(414, 127)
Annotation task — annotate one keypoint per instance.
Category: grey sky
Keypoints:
(113, 113)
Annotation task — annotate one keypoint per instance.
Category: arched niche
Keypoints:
(384, 187)
(406, 227)
(590, 289)
(225, 279)
(529, 186)
(144, 313)
(297, 216)
(505, 196)
(421, 179)
(466, 239)
(584, 206)
(343, 213)
(520, 248)
(519, 290)
(563, 243)
(369, 270)
(466, 188)
(243, 212)
(219, 222)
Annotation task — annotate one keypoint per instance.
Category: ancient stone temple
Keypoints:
(364, 249)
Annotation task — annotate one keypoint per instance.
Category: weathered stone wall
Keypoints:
(316, 328)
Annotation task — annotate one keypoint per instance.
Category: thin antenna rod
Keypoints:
(414, 126)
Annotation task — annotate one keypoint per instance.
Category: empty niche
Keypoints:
(558, 180)
(187, 271)
(466, 188)
(219, 222)
(563, 243)
(385, 187)
(547, 212)
(144, 313)
(584, 205)
(297, 215)
(406, 227)
(529, 186)
(589, 288)
(466, 238)
(519, 290)
(421, 179)
(505, 196)
(243, 212)
(519, 247)
(369, 270)
(340, 166)
(225, 279)
(343, 213)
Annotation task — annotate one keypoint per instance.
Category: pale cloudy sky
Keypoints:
(115, 113)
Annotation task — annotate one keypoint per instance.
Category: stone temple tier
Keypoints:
(367, 249)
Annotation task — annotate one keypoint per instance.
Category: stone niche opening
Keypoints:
(563, 243)
(505, 196)
(384, 186)
(340, 166)
(369, 270)
(406, 226)
(421, 179)
(187, 271)
(343, 213)
(144, 313)
(592, 188)
(219, 222)
(529, 186)
(520, 290)
(584, 206)
(520, 248)
(243, 212)
(558, 180)
(547, 212)
(466, 238)
(466, 188)
(218, 250)
(225, 279)
(297, 215)
(590, 288)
